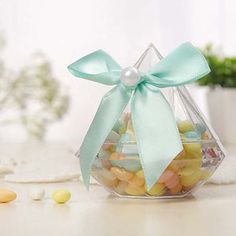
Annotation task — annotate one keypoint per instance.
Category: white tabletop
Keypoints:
(212, 211)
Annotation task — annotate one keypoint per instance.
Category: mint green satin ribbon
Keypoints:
(154, 124)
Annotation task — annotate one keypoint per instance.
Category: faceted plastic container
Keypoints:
(117, 166)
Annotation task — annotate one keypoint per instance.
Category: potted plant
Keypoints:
(221, 96)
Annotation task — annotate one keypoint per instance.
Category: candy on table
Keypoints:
(185, 126)
(122, 174)
(157, 190)
(61, 196)
(7, 195)
(135, 191)
(37, 194)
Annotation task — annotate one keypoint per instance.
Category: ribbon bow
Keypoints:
(158, 139)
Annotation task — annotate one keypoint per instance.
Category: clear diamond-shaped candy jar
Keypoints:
(118, 167)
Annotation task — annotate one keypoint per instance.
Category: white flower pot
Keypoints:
(222, 113)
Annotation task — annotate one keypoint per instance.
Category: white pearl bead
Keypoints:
(37, 194)
(130, 76)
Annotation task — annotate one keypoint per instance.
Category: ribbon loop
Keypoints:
(184, 65)
(97, 66)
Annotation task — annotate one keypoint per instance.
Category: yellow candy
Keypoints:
(61, 196)
(193, 163)
(135, 191)
(122, 174)
(189, 176)
(137, 181)
(176, 165)
(7, 195)
(157, 190)
(193, 149)
(185, 126)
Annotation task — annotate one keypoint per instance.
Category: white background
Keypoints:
(67, 29)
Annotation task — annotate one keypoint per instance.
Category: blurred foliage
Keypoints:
(223, 70)
(31, 96)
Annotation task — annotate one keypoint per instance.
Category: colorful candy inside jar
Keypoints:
(118, 167)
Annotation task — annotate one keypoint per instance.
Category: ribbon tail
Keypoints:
(109, 111)
(155, 127)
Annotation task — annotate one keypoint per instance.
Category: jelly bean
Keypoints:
(193, 149)
(192, 135)
(61, 196)
(157, 190)
(120, 188)
(190, 179)
(37, 194)
(185, 126)
(172, 182)
(122, 174)
(193, 163)
(137, 181)
(176, 165)
(135, 191)
(6, 195)
(176, 189)
(166, 176)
